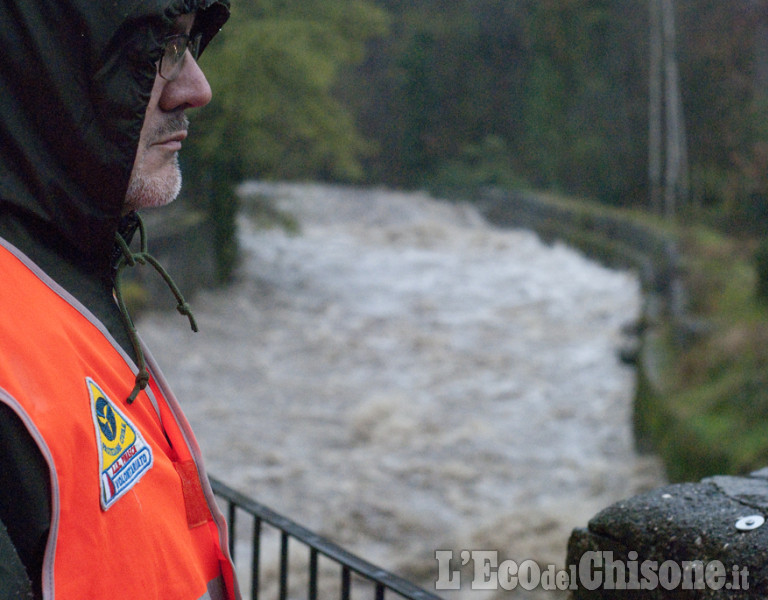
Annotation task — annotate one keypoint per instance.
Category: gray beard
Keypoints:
(151, 192)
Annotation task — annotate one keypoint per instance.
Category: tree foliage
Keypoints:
(563, 86)
(544, 93)
(273, 71)
(273, 113)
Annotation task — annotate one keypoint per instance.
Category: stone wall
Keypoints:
(702, 541)
(608, 236)
(616, 239)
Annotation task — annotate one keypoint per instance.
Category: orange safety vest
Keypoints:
(133, 515)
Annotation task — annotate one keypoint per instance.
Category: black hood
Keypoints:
(75, 81)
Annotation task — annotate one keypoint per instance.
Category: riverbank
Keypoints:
(701, 396)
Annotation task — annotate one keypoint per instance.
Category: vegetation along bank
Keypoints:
(702, 395)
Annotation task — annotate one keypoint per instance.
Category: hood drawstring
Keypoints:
(129, 258)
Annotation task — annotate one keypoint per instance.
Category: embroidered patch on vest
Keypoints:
(124, 455)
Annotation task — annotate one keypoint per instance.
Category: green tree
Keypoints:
(440, 85)
(726, 106)
(584, 107)
(273, 74)
(273, 114)
(557, 83)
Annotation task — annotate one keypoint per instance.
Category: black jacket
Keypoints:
(75, 81)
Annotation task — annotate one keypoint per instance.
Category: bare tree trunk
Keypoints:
(655, 115)
(675, 183)
(666, 123)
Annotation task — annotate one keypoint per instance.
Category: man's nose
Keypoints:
(189, 90)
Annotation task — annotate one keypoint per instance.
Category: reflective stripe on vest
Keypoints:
(133, 515)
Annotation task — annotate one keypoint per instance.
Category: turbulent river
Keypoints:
(402, 377)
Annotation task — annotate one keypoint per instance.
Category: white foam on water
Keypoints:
(402, 377)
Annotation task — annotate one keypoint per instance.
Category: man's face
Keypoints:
(156, 177)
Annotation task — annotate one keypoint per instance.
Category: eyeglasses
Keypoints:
(174, 51)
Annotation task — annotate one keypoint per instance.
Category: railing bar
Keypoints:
(231, 508)
(346, 583)
(380, 591)
(312, 595)
(256, 559)
(283, 566)
(323, 546)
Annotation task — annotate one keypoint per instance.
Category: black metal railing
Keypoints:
(350, 568)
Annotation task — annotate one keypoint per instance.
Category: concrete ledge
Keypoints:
(609, 238)
(717, 519)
